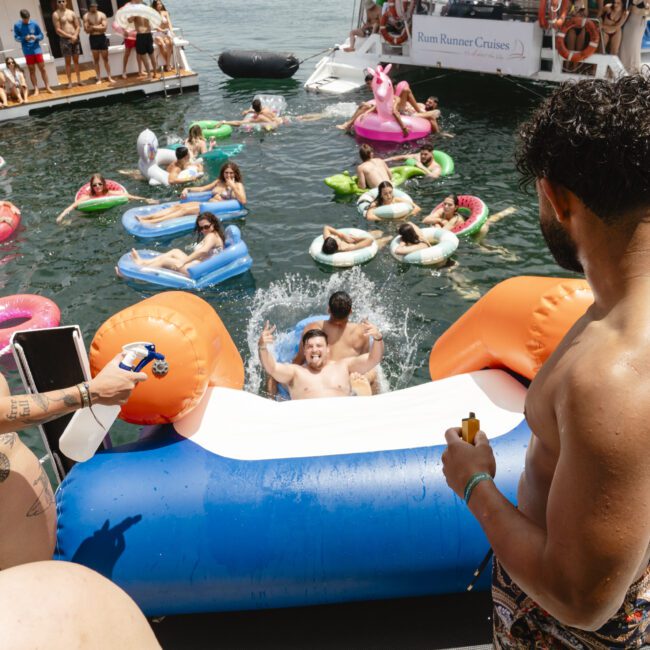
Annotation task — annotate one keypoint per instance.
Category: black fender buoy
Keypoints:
(258, 64)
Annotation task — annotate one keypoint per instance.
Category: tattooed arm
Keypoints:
(111, 386)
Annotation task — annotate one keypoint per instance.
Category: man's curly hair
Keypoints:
(593, 137)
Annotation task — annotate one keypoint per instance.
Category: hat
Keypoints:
(369, 4)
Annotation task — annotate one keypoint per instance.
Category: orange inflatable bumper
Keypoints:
(516, 325)
(196, 345)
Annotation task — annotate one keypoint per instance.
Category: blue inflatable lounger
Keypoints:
(233, 260)
(225, 210)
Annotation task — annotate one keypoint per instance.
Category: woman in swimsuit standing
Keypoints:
(613, 17)
(630, 55)
(210, 241)
(228, 186)
(164, 36)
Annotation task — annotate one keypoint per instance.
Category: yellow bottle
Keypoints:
(470, 428)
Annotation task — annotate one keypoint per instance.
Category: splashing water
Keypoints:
(340, 109)
(292, 298)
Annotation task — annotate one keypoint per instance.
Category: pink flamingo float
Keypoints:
(381, 124)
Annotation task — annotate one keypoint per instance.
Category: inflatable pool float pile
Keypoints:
(388, 212)
(213, 129)
(246, 503)
(381, 124)
(25, 312)
(277, 103)
(153, 161)
(345, 258)
(225, 210)
(258, 64)
(100, 203)
(443, 245)
(475, 213)
(8, 229)
(232, 261)
(345, 183)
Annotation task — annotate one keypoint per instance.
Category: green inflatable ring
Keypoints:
(345, 183)
(102, 203)
(212, 129)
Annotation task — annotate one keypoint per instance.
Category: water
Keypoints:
(50, 157)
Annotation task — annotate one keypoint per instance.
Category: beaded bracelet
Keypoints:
(474, 480)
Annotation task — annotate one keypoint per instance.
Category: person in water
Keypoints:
(413, 239)
(336, 241)
(446, 216)
(183, 162)
(210, 241)
(97, 189)
(372, 170)
(362, 108)
(424, 160)
(196, 143)
(321, 376)
(228, 186)
(259, 114)
(385, 196)
(572, 559)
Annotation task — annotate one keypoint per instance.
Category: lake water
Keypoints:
(50, 157)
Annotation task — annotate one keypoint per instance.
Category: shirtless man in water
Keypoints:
(424, 160)
(371, 171)
(67, 27)
(572, 560)
(321, 376)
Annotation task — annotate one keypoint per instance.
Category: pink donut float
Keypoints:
(39, 313)
(381, 124)
(118, 29)
(112, 186)
(8, 229)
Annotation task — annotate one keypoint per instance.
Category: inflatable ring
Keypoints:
(126, 14)
(95, 204)
(344, 258)
(392, 14)
(3, 162)
(394, 211)
(213, 129)
(8, 229)
(475, 213)
(573, 55)
(34, 313)
(444, 243)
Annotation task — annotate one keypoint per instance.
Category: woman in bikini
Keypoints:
(98, 189)
(412, 239)
(613, 17)
(447, 216)
(209, 241)
(164, 36)
(228, 186)
(385, 196)
(15, 83)
(196, 144)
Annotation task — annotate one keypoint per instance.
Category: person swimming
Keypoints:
(446, 216)
(210, 241)
(385, 196)
(196, 143)
(228, 186)
(412, 239)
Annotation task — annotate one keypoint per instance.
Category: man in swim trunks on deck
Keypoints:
(29, 34)
(371, 26)
(144, 44)
(372, 170)
(572, 560)
(95, 25)
(67, 26)
(321, 376)
(424, 160)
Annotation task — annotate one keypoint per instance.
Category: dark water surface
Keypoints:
(50, 157)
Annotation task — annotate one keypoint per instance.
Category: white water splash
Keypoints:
(288, 300)
(341, 109)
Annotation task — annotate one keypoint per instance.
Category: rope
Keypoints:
(508, 78)
(329, 49)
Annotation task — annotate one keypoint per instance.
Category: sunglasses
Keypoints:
(205, 227)
(97, 184)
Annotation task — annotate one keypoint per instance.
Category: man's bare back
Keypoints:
(372, 172)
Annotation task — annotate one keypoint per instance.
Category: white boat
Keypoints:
(499, 37)
(180, 79)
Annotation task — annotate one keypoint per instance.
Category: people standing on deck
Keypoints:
(372, 170)
(28, 33)
(67, 26)
(371, 26)
(14, 81)
(144, 43)
(613, 17)
(95, 25)
(320, 376)
(630, 52)
(129, 46)
(572, 559)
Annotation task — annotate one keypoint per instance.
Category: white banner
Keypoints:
(511, 47)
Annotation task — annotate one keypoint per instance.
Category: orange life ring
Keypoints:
(592, 46)
(558, 15)
(383, 26)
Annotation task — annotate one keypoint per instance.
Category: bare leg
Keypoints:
(181, 210)
(125, 60)
(75, 59)
(402, 126)
(361, 110)
(3, 98)
(96, 66)
(32, 76)
(170, 260)
(615, 42)
(68, 70)
(46, 81)
(353, 34)
(107, 65)
(152, 59)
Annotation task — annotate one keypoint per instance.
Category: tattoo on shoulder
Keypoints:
(8, 439)
(4, 467)
(45, 498)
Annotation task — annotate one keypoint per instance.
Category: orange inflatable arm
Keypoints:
(196, 345)
(516, 325)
